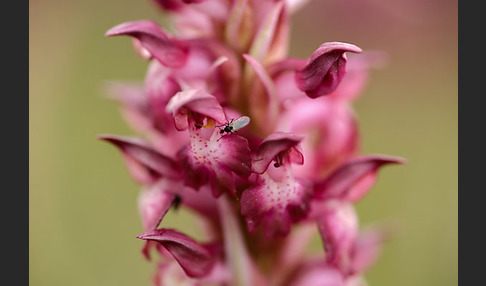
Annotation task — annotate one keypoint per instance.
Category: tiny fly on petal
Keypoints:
(233, 126)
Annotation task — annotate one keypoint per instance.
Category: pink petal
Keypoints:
(320, 277)
(287, 88)
(283, 74)
(221, 179)
(262, 73)
(285, 65)
(156, 197)
(197, 101)
(197, 68)
(144, 110)
(354, 178)
(196, 260)
(325, 69)
(236, 35)
(355, 281)
(213, 67)
(366, 250)
(357, 75)
(228, 75)
(273, 145)
(160, 86)
(231, 151)
(331, 134)
(215, 10)
(316, 273)
(141, 51)
(216, 160)
(191, 23)
(148, 245)
(144, 163)
(338, 227)
(276, 204)
(167, 51)
(153, 204)
(270, 106)
(265, 35)
(169, 273)
(201, 201)
(279, 47)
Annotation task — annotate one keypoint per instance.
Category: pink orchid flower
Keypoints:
(263, 147)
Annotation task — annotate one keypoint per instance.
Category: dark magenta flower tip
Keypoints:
(144, 163)
(167, 51)
(196, 259)
(174, 5)
(277, 146)
(352, 180)
(325, 69)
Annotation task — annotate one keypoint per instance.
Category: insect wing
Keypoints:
(240, 123)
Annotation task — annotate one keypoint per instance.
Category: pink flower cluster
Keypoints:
(262, 147)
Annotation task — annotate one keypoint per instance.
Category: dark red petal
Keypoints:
(145, 156)
(354, 178)
(170, 5)
(197, 260)
(192, 1)
(174, 5)
(325, 69)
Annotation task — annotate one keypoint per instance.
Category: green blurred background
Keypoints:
(83, 214)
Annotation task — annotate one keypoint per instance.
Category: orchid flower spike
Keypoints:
(263, 148)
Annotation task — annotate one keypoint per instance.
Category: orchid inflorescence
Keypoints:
(264, 148)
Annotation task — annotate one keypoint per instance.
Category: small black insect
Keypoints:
(233, 126)
(176, 202)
